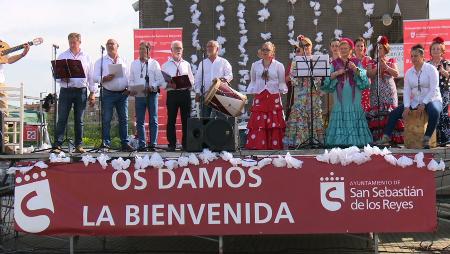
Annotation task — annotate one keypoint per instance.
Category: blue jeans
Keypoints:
(433, 110)
(68, 97)
(141, 106)
(119, 101)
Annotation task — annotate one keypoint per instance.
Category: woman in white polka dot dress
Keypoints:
(266, 126)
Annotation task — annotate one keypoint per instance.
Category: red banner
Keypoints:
(30, 132)
(160, 39)
(220, 199)
(423, 32)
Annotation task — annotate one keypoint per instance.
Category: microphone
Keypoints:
(55, 46)
(103, 48)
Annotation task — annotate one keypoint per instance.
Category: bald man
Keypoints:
(115, 94)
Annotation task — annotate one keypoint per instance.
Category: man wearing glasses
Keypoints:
(177, 98)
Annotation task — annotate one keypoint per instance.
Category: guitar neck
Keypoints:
(14, 49)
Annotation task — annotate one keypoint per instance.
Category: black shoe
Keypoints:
(171, 149)
(426, 142)
(142, 149)
(127, 148)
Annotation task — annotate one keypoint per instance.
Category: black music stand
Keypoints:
(67, 69)
(311, 67)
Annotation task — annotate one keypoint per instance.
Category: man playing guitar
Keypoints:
(3, 94)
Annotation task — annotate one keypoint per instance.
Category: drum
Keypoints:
(225, 99)
(415, 126)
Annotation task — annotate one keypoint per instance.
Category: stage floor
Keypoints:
(438, 152)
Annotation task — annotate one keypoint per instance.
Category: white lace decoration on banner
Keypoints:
(368, 8)
(335, 156)
(338, 32)
(290, 24)
(264, 15)
(244, 73)
(169, 12)
(354, 155)
(315, 5)
(220, 23)
(195, 19)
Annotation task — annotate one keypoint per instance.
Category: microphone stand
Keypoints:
(378, 117)
(55, 114)
(55, 110)
(311, 142)
(202, 88)
(147, 100)
(102, 145)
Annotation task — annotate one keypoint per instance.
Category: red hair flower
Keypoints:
(439, 40)
(383, 40)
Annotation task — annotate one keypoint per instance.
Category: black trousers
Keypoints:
(177, 99)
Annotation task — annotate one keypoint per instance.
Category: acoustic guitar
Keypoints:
(5, 49)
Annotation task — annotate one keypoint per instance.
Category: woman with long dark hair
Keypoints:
(384, 97)
(437, 52)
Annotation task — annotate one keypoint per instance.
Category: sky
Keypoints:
(95, 20)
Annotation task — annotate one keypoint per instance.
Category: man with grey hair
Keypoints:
(115, 94)
(73, 91)
(177, 98)
(213, 67)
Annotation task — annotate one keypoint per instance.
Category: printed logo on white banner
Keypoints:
(33, 204)
(332, 192)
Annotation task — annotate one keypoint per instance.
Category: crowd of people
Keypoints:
(357, 104)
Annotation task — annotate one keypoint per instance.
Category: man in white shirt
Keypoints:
(177, 98)
(3, 94)
(146, 95)
(209, 69)
(115, 94)
(74, 91)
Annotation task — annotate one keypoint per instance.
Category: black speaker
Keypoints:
(214, 133)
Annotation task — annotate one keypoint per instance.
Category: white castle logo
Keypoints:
(33, 203)
(332, 192)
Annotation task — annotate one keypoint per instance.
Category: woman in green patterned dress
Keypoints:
(348, 124)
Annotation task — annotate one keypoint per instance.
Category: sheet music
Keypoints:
(321, 66)
(116, 69)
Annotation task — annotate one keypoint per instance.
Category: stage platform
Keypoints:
(318, 243)
(438, 152)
